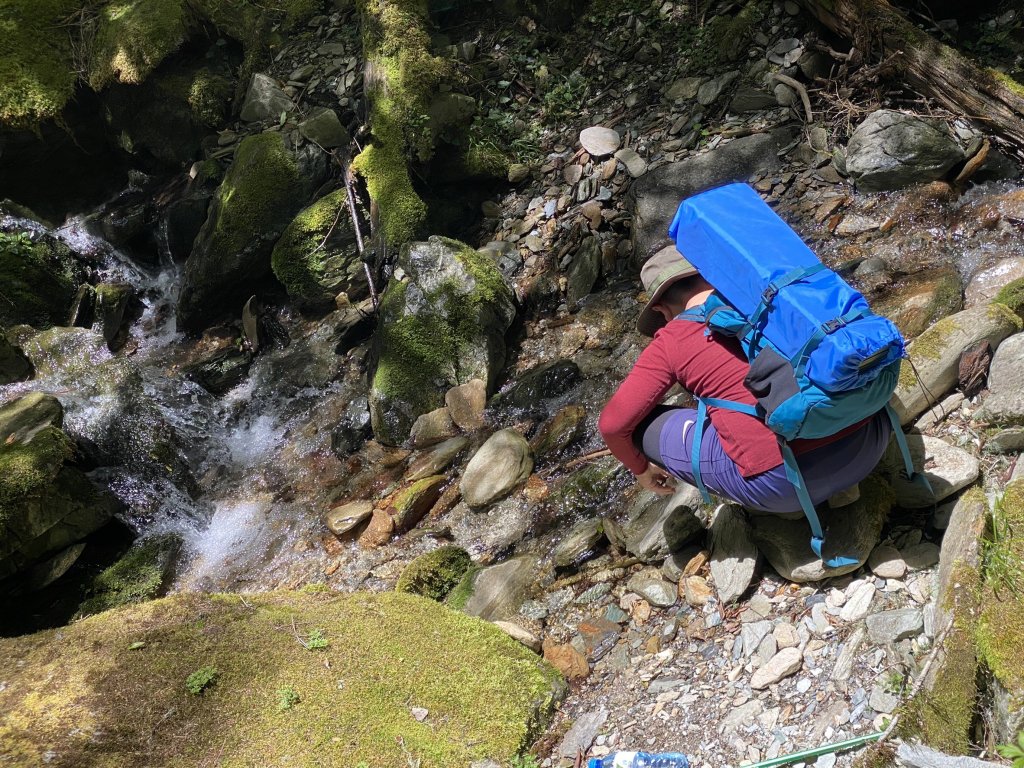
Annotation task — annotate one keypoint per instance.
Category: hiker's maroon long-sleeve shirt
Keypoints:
(707, 366)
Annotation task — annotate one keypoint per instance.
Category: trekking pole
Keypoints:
(825, 749)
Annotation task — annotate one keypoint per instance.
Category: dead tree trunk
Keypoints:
(933, 68)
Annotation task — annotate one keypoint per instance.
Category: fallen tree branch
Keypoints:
(576, 578)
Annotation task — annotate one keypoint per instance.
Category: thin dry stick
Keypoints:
(350, 194)
(799, 88)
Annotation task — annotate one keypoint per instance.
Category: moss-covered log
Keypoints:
(401, 77)
(931, 67)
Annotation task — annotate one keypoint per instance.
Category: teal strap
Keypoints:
(799, 360)
(913, 475)
(698, 436)
(817, 534)
(730, 405)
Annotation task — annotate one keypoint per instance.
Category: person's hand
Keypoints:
(656, 479)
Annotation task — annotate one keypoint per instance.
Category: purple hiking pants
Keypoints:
(666, 437)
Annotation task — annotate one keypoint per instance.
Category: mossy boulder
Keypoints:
(111, 689)
(141, 574)
(262, 191)
(39, 276)
(435, 573)
(1012, 295)
(45, 505)
(441, 326)
(317, 257)
(923, 300)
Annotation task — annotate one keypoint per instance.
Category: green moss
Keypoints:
(313, 249)
(263, 180)
(419, 350)
(487, 161)
(1012, 296)
(402, 213)
(138, 576)
(82, 693)
(462, 591)
(436, 573)
(1004, 80)
(27, 468)
(133, 37)
(37, 76)
(38, 280)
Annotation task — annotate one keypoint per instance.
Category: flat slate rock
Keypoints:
(599, 141)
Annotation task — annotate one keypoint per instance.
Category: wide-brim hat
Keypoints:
(665, 267)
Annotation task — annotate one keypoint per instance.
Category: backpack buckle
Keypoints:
(833, 325)
(769, 294)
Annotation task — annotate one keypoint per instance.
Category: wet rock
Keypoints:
(437, 459)
(379, 531)
(47, 506)
(936, 354)
(891, 150)
(264, 100)
(599, 141)
(444, 326)
(1005, 401)
(221, 372)
(435, 574)
(783, 664)
(231, 259)
(352, 429)
(561, 430)
(653, 589)
(922, 300)
(657, 526)
(40, 276)
(324, 129)
(584, 489)
(655, 196)
(889, 626)
(947, 468)
(347, 517)
(432, 428)
(733, 553)
(853, 532)
(578, 543)
(502, 463)
(409, 505)
(498, 591)
(466, 404)
(886, 562)
(116, 305)
(985, 285)
(542, 382)
(584, 271)
(14, 365)
(143, 573)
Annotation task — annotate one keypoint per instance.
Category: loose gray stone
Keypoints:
(599, 141)
(657, 526)
(848, 653)
(584, 271)
(886, 563)
(709, 92)
(324, 128)
(733, 553)
(635, 165)
(891, 150)
(889, 626)
(920, 756)
(1006, 441)
(859, 603)
(947, 468)
(581, 735)
(520, 635)
(923, 555)
(786, 662)
(654, 590)
(751, 100)
(883, 701)
(264, 100)
(752, 633)
(343, 519)
(502, 463)
(685, 89)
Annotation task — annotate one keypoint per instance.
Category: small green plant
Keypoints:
(15, 244)
(525, 761)
(1003, 567)
(201, 679)
(316, 640)
(894, 683)
(286, 699)
(1013, 752)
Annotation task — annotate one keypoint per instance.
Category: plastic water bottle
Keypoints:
(639, 760)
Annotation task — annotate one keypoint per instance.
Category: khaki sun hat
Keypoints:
(664, 268)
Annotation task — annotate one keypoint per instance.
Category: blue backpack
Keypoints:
(820, 360)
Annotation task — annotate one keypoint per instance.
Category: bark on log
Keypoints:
(931, 67)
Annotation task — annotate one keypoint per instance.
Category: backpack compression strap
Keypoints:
(768, 296)
(913, 475)
(698, 435)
